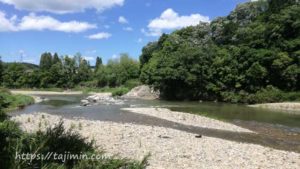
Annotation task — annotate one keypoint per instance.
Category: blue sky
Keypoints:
(96, 27)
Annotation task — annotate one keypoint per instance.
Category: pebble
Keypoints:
(183, 150)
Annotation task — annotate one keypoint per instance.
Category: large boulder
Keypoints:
(142, 92)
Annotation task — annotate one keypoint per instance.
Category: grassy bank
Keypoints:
(11, 102)
(269, 94)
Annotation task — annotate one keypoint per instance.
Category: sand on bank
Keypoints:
(169, 148)
(291, 106)
(28, 92)
(38, 99)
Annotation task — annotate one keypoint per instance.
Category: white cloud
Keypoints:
(33, 22)
(129, 29)
(63, 6)
(101, 35)
(122, 20)
(91, 51)
(88, 58)
(6, 24)
(33, 61)
(115, 56)
(170, 20)
(40, 23)
(140, 40)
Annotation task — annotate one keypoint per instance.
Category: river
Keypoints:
(276, 129)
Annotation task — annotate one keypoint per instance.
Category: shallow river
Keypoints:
(277, 129)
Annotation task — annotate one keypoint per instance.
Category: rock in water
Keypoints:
(101, 98)
(85, 102)
(142, 92)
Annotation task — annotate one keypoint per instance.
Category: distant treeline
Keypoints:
(68, 72)
(251, 55)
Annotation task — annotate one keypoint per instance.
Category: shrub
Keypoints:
(292, 96)
(22, 100)
(61, 141)
(9, 101)
(120, 91)
(9, 136)
(56, 140)
(88, 84)
(269, 94)
(132, 83)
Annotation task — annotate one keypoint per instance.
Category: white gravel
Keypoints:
(187, 119)
(180, 150)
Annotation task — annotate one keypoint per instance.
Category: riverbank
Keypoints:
(11, 101)
(290, 106)
(34, 92)
(169, 148)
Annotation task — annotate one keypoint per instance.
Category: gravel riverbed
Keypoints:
(169, 148)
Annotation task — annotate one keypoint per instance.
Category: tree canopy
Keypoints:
(255, 47)
(69, 72)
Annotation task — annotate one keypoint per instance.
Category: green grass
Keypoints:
(120, 91)
(12, 102)
(115, 90)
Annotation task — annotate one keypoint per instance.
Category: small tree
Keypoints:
(98, 63)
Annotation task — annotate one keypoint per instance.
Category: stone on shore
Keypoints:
(142, 92)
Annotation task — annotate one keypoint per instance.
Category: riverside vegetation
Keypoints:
(252, 55)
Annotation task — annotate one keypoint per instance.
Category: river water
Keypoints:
(276, 129)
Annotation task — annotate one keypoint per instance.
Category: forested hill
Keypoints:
(251, 55)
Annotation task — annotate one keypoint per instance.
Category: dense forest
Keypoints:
(251, 55)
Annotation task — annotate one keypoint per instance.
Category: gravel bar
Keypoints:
(169, 148)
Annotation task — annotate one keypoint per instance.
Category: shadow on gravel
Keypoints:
(254, 138)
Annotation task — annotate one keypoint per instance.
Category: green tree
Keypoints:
(46, 61)
(84, 71)
(98, 63)
(232, 58)
(13, 75)
(69, 71)
(56, 59)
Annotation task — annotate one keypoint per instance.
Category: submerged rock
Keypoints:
(142, 92)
